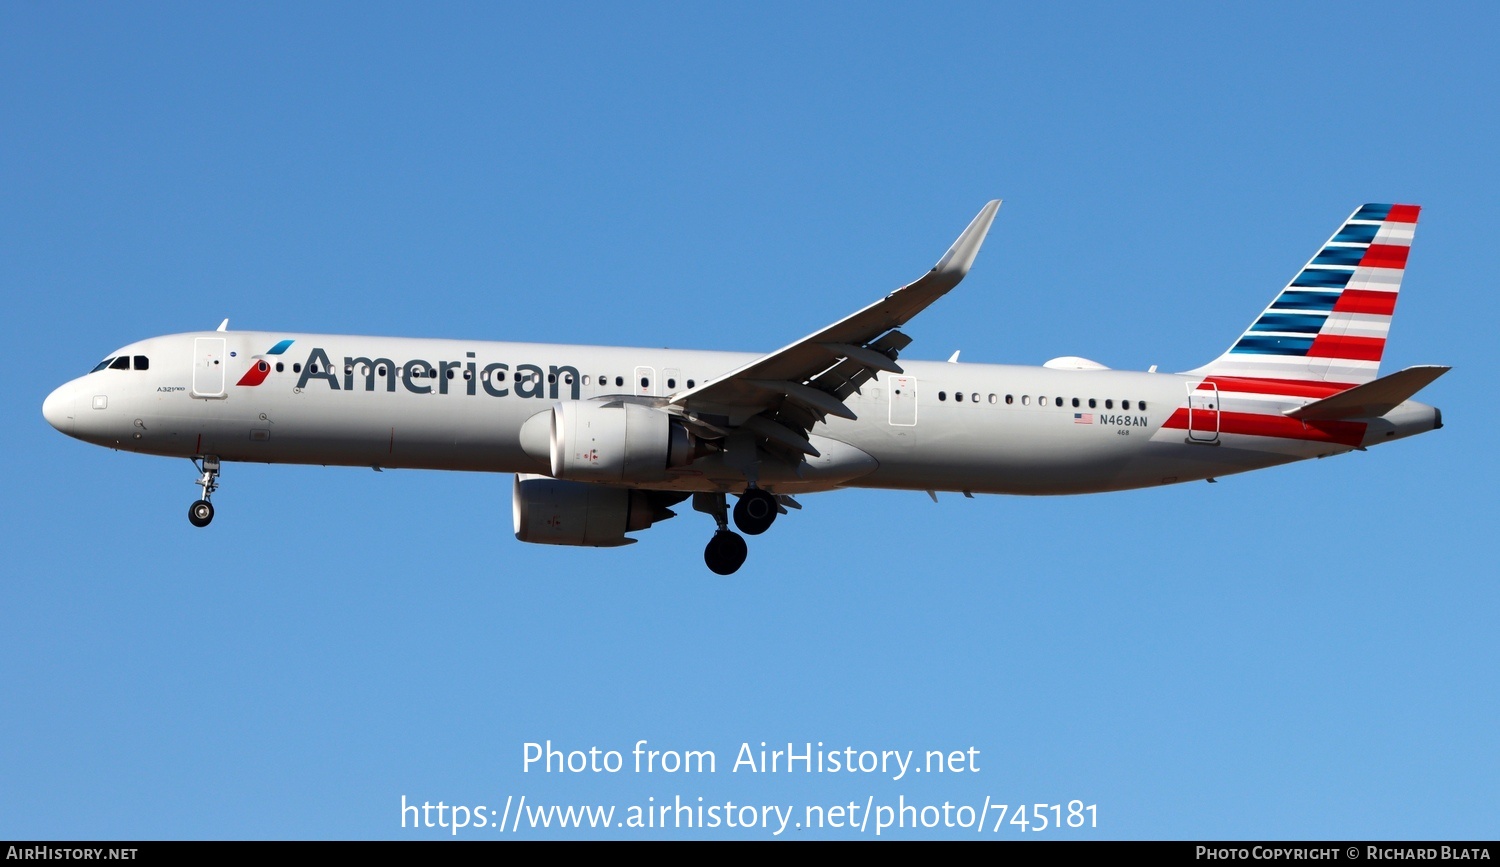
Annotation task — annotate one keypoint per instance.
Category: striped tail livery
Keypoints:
(1308, 367)
(1330, 322)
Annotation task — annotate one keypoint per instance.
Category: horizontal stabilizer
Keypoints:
(1373, 399)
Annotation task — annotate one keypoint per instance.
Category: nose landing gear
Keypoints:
(201, 512)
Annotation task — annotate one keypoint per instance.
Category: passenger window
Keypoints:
(1059, 401)
(281, 367)
(645, 382)
(585, 379)
(690, 383)
(1025, 400)
(671, 383)
(551, 377)
(313, 367)
(1140, 405)
(142, 363)
(619, 380)
(102, 365)
(958, 396)
(1010, 399)
(121, 363)
(974, 397)
(1075, 402)
(1109, 404)
(1124, 404)
(942, 395)
(297, 367)
(1041, 401)
(1093, 403)
(992, 399)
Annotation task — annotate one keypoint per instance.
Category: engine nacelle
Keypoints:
(616, 442)
(555, 512)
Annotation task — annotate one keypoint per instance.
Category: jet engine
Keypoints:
(557, 512)
(617, 442)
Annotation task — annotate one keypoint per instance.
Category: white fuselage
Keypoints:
(458, 405)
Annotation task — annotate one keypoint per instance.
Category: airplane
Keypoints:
(604, 441)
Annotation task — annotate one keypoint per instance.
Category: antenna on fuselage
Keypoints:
(223, 326)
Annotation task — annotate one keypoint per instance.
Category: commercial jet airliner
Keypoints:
(603, 441)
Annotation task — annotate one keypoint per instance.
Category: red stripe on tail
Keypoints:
(1353, 348)
(1366, 301)
(1385, 256)
(1279, 387)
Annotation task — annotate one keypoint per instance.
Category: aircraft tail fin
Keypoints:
(1329, 324)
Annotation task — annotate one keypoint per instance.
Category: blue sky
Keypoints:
(1303, 652)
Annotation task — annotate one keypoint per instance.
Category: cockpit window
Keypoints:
(121, 363)
(103, 364)
(142, 363)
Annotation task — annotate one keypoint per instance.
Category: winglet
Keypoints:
(960, 257)
(223, 326)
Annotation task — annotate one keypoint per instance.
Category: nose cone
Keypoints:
(58, 409)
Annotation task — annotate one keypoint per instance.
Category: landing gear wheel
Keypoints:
(200, 513)
(726, 552)
(755, 511)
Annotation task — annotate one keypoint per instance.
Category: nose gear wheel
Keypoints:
(201, 512)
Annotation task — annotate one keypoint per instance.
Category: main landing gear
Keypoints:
(753, 515)
(755, 511)
(726, 552)
(201, 512)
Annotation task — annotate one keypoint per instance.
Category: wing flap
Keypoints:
(862, 355)
(812, 398)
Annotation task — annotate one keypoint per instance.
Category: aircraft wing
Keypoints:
(808, 380)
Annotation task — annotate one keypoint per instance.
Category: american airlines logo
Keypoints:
(419, 376)
(262, 367)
